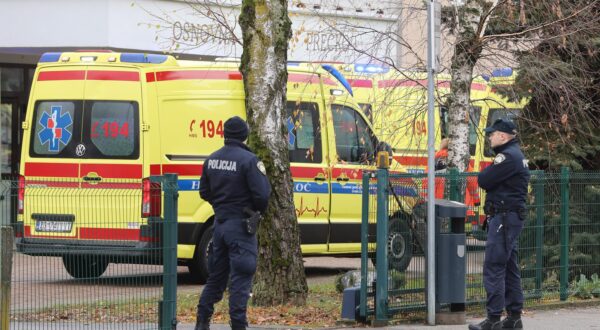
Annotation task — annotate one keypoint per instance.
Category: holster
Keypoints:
(251, 223)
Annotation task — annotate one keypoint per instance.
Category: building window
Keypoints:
(11, 80)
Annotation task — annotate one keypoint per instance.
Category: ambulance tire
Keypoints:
(79, 266)
(198, 267)
(399, 244)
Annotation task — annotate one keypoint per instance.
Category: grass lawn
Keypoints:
(322, 309)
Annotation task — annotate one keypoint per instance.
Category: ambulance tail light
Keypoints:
(151, 198)
(21, 194)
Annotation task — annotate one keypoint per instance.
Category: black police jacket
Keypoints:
(232, 179)
(507, 179)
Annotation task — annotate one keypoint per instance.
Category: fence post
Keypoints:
(6, 253)
(364, 238)
(564, 233)
(454, 185)
(381, 286)
(538, 187)
(169, 239)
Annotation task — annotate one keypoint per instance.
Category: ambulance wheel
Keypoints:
(198, 267)
(399, 245)
(85, 266)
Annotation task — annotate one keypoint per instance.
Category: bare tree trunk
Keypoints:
(466, 53)
(266, 29)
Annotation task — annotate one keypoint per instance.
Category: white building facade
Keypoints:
(340, 31)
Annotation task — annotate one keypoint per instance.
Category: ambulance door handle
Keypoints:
(343, 179)
(92, 177)
(320, 177)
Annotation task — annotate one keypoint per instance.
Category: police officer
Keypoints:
(233, 179)
(505, 182)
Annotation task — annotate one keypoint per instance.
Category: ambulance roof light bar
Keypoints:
(50, 57)
(371, 68)
(143, 58)
(502, 72)
(124, 57)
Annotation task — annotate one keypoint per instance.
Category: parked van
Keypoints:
(99, 124)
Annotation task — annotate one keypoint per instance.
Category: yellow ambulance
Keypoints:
(98, 125)
(397, 105)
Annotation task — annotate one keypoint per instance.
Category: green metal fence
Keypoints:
(84, 256)
(559, 243)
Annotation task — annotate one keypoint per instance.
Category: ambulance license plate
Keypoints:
(53, 226)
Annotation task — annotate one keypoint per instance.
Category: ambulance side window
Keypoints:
(367, 109)
(353, 137)
(304, 132)
(56, 128)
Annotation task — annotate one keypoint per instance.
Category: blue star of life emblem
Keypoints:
(291, 136)
(55, 128)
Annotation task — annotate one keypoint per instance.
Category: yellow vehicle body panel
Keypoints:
(132, 119)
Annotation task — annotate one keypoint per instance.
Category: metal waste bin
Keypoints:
(450, 257)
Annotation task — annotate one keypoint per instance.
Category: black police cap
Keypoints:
(502, 125)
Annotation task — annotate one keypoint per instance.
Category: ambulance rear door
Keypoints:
(50, 166)
(111, 163)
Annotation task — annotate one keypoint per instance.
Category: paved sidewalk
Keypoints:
(582, 318)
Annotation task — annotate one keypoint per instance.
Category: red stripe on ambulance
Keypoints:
(113, 75)
(60, 170)
(119, 234)
(155, 169)
(198, 74)
(360, 83)
(419, 161)
(191, 170)
(118, 171)
(61, 75)
(353, 174)
(307, 172)
(150, 77)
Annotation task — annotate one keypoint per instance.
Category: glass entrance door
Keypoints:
(8, 161)
(6, 116)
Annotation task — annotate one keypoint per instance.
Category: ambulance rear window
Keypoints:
(55, 128)
(91, 129)
(111, 127)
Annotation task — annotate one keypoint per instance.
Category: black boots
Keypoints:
(513, 322)
(202, 325)
(487, 324)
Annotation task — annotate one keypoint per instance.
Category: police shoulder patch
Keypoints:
(261, 167)
(499, 158)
